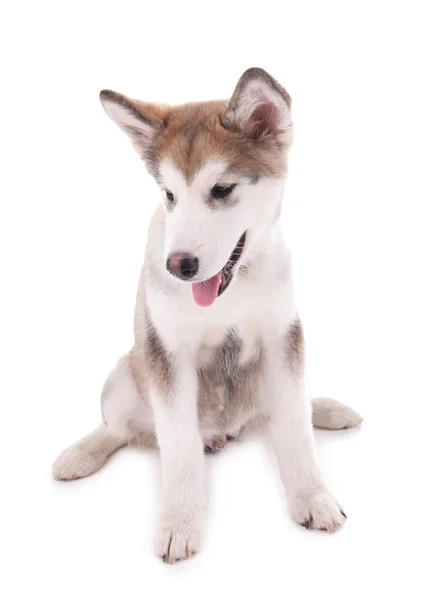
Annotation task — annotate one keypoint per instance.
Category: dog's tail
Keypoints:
(330, 414)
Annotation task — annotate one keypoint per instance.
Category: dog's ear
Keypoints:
(260, 108)
(141, 121)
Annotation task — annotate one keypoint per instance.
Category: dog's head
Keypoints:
(221, 167)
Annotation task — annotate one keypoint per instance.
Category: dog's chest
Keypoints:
(229, 369)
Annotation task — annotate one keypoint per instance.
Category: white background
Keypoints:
(75, 205)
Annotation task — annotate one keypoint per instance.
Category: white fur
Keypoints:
(86, 456)
(182, 460)
(260, 305)
(211, 234)
(330, 414)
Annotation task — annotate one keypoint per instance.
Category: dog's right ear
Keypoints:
(141, 121)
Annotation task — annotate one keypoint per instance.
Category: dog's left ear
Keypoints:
(260, 108)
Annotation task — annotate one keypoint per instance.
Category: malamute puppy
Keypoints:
(218, 341)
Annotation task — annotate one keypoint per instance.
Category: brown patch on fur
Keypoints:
(149, 360)
(152, 114)
(194, 134)
(295, 345)
(229, 392)
(159, 367)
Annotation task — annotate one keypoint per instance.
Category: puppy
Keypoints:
(218, 341)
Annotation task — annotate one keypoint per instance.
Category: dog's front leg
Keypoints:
(182, 463)
(291, 431)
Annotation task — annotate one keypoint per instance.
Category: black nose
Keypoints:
(183, 266)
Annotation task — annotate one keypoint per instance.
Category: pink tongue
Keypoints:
(205, 292)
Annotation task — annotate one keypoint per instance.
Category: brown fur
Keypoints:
(150, 363)
(151, 114)
(194, 134)
(229, 392)
(295, 345)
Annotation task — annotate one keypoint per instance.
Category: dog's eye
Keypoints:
(170, 196)
(222, 191)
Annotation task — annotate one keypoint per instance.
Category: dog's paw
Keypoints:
(318, 511)
(330, 414)
(215, 443)
(76, 462)
(177, 538)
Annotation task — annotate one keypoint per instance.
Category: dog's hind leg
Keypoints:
(330, 414)
(86, 456)
(126, 419)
